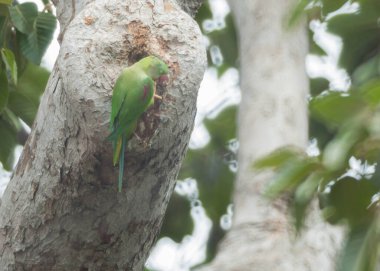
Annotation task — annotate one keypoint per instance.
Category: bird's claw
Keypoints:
(157, 96)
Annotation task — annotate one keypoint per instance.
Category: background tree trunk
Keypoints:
(273, 113)
(61, 209)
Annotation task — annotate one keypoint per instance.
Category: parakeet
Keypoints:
(133, 94)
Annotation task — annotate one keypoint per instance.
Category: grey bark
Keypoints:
(61, 209)
(190, 6)
(272, 114)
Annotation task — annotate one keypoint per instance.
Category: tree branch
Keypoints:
(61, 209)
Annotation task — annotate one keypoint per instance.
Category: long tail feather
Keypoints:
(121, 164)
(117, 148)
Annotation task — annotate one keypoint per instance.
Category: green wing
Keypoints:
(131, 100)
(120, 92)
(130, 108)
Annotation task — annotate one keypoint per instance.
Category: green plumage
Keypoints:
(132, 95)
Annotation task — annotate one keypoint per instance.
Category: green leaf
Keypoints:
(366, 71)
(203, 13)
(23, 106)
(289, 176)
(359, 32)
(303, 196)
(350, 200)
(33, 81)
(337, 151)
(336, 108)
(297, 12)
(4, 11)
(10, 63)
(223, 127)
(23, 16)
(7, 144)
(331, 5)
(177, 221)
(314, 47)
(11, 119)
(278, 158)
(318, 85)
(4, 92)
(370, 91)
(25, 99)
(361, 249)
(34, 44)
(320, 131)
(5, 28)
(6, 2)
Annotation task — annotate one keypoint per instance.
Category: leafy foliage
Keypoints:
(347, 125)
(23, 16)
(34, 44)
(177, 222)
(362, 248)
(210, 166)
(8, 141)
(25, 34)
(10, 64)
(342, 198)
(359, 32)
(4, 93)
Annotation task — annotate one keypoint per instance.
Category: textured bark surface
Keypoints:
(273, 113)
(190, 6)
(61, 209)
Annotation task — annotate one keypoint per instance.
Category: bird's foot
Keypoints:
(155, 92)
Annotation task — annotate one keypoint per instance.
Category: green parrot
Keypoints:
(133, 94)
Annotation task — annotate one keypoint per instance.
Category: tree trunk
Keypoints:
(272, 114)
(61, 209)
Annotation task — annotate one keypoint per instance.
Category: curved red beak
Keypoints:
(163, 80)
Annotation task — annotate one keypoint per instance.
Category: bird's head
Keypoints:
(155, 68)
